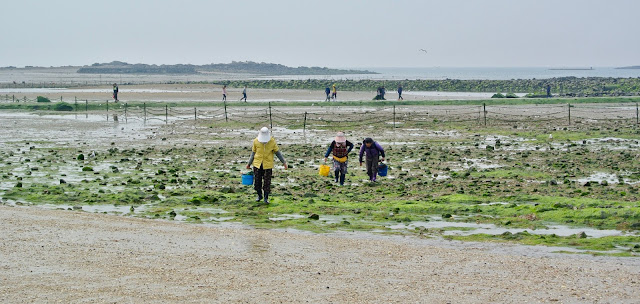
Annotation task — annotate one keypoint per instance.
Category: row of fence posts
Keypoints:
(569, 106)
(304, 126)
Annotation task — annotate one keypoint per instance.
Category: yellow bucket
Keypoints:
(324, 170)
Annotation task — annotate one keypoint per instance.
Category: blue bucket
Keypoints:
(247, 179)
(382, 169)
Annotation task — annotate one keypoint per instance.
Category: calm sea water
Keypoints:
(69, 75)
(500, 73)
(474, 73)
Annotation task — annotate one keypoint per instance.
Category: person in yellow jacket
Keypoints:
(334, 93)
(261, 159)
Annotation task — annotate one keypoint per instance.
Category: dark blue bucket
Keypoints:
(382, 169)
(247, 179)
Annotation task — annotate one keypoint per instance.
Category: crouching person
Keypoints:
(340, 147)
(373, 151)
(264, 147)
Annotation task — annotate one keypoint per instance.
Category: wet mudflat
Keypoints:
(527, 183)
(96, 210)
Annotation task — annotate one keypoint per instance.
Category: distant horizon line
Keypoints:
(349, 67)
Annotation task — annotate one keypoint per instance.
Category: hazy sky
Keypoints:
(332, 33)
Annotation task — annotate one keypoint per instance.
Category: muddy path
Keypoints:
(61, 256)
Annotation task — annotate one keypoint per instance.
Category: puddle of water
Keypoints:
(334, 219)
(608, 177)
(599, 177)
(473, 228)
(7, 185)
(111, 209)
(494, 203)
(479, 163)
(284, 217)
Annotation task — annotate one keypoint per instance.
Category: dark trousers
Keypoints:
(262, 179)
(372, 168)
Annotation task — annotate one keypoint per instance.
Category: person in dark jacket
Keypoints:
(115, 92)
(340, 148)
(373, 151)
(327, 91)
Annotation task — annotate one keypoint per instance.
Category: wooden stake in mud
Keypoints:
(569, 107)
(166, 114)
(304, 125)
(226, 119)
(394, 116)
(195, 114)
(270, 119)
(636, 113)
(107, 109)
(484, 110)
(125, 112)
(86, 105)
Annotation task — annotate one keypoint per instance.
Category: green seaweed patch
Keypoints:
(626, 244)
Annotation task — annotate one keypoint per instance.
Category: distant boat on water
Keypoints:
(572, 69)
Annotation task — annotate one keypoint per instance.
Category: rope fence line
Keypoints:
(352, 116)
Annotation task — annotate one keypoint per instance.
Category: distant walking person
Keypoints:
(115, 92)
(244, 94)
(334, 95)
(224, 93)
(400, 92)
(327, 91)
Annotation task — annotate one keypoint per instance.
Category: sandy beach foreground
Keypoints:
(68, 257)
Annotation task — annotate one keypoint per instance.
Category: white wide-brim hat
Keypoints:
(264, 136)
(340, 138)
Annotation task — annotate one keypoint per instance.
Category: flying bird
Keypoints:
(423, 50)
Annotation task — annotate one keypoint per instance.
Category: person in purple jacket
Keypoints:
(373, 151)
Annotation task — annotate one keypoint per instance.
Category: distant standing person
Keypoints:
(327, 91)
(244, 94)
(400, 92)
(340, 147)
(548, 90)
(373, 151)
(261, 159)
(224, 93)
(334, 95)
(115, 92)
